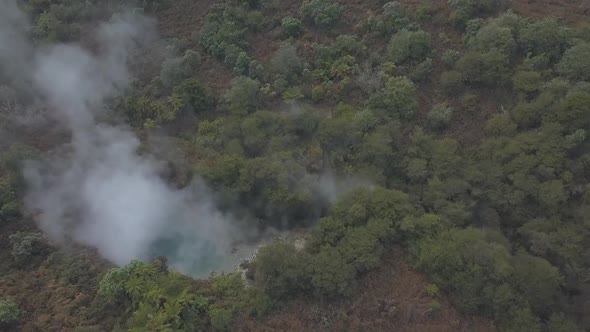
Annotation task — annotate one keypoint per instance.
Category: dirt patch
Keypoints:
(183, 20)
(391, 298)
(49, 299)
(573, 11)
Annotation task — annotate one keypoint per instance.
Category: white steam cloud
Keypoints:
(97, 190)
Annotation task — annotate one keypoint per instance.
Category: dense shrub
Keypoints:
(500, 125)
(463, 10)
(475, 266)
(145, 111)
(9, 207)
(292, 27)
(330, 274)
(450, 57)
(527, 81)
(424, 12)
(243, 96)
(575, 63)
(9, 311)
(323, 13)
(559, 322)
(242, 64)
(176, 70)
(26, 245)
(421, 71)
(287, 63)
(574, 112)
(440, 116)
(280, 270)
(397, 99)
(410, 45)
(194, 96)
(347, 243)
(12, 162)
(493, 38)
(10, 210)
(224, 32)
(291, 95)
(393, 18)
(54, 25)
(361, 248)
(546, 36)
(159, 299)
(536, 62)
(112, 286)
(489, 68)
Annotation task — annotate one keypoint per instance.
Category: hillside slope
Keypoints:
(436, 157)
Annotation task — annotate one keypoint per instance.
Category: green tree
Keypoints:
(243, 97)
(574, 112)
(538, 280)
(323, 13)
(559, 322)
(47, 27)
(292, 27)
(521, 319)
(26, 245)
(489, 68)
(287, 63)
(450, 57)
(527, 81)
(328, 232)
(195, 97)
(223, 33)
(493, 37)
(575, 63)
(464, 10)
(545, 36)
(440, 116)
(112, 286)
(175, 70)
(560, 242)
(242, 64)
(397, 99)
(330, 274)
(280, 270)
(258, 130)
(221, 318)
(500, 125)
(552, 193)
(361, 248)
(410, 45)
(470, 263)
(9, 311)
(413, 228)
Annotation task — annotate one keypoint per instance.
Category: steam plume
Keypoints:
(97, 190)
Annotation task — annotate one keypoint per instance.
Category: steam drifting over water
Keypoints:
(96, 190)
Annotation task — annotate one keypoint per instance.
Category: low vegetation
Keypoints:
(468, 125)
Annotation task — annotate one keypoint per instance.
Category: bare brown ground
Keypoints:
(182, 20)
(394, 283)
(573, 11)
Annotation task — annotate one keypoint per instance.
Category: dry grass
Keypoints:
(394, 283)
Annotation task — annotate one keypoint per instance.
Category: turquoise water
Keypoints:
(199, 257)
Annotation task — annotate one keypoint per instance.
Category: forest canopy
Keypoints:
(452, 134)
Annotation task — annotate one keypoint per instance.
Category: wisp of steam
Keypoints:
(97, 190)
